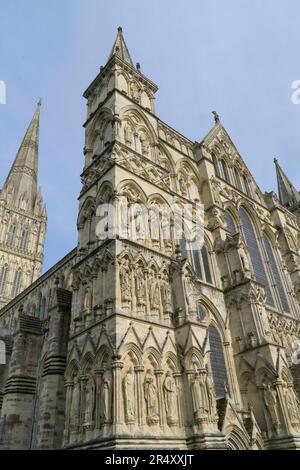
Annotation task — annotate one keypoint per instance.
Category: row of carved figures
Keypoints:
(272, 405)
(144, 290)
(91, 402)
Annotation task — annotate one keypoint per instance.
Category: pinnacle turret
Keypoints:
(20, 187)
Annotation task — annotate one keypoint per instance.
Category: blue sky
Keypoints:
(236, 56)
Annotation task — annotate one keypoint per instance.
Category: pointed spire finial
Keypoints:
(23, 173)
(120, 49)
(40, 102)
(288, 194)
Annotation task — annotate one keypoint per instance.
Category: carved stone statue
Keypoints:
(189, 292)
(169, 388)
(199, 395)
(270, 399)
(125, 281)
(88, 302)
(183, 185)
(211, 396)
(150, 392)
(242, 251)
(75, 405)
(145, 144)
(105, 401)
(154, 222)
(166, 295)
(140, 286)
(135, 92)
(154, 292)
(292, 404)
(128, 135)
(129, 396)
(139, 224)
(89, 403)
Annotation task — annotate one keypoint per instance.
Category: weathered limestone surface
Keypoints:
(133, 340)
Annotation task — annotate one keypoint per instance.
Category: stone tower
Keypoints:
(124, 286)
(142, 339)
(22, 219)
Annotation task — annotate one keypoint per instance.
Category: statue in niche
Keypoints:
(292, 404)
(183, 185)
(128, 134)
(169, 388)
(166, 227)
(264, 320)
(135, 92)
(75, 405)
(166, 294)
(189, 292)
(270, 400)
(105, 401)
(125, 281)
(89, 402)
(139, 224)
(145, 144)
(154, 223)
(150, 392)
(140, 286)
(129, 395)
(199, 395)
(88, 302)
(211, 396)
(154, 292)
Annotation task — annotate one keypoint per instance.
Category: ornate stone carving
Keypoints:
(271, 404)
(125, 282)
(292, 404)
(128, 134)
(199, 396)
(89, 403)
(154, 292)
(211, 396)
(166, 294)
(75, 405)
(105, 401)
(170, 398)
(129, 396)
(150, 392)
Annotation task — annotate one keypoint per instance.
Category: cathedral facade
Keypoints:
(142, 339)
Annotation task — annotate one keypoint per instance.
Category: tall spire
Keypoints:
(120, 49)
(22, 179)
(288, 194)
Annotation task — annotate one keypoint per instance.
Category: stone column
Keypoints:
(99, 374)
(282, 406)
(159, 374)
(18, 408)
(180, 402)
(139, 370)
(188, 396)
(83, 381)
(69, 389)
(117, 366)
(52, 400)
(233, 383)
